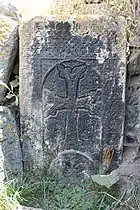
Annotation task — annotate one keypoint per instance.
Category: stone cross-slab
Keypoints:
(72, 95)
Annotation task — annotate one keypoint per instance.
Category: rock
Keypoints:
(135, 42)
(16, 69)
(132, 122)
(129, 173)
(75, 7)
(106, 180)
(72, 91)
(8, 43)
(134, 25)
(58, 7)
(134, 63)
(26, 208)
(2, 176)
(10, 145)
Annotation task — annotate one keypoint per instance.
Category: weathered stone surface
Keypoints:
(135, 40)
(132, 123)
(134, 62)
(10, 145)
(8, 43)
(2, 176)
(72, 94)
(132, 128)
(75, 7)
(60, 7)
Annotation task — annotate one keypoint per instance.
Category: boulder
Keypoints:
(10, 156)
(8, 43)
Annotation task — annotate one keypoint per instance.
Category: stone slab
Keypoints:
(72, 94)
(10, 150)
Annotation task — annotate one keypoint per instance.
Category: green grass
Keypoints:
(8, 197)
(48, 194)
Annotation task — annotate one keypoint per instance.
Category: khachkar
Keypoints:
(72, 94)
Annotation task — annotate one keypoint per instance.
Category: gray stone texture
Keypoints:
(2, 176)
(72, 94)
(135, 40)
(10, 149)
(132, 123)
(8, 43)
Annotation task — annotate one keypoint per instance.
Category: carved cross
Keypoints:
(71, 104)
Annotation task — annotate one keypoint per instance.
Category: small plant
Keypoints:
(11, 93)
(8, 197)
(48, 194)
